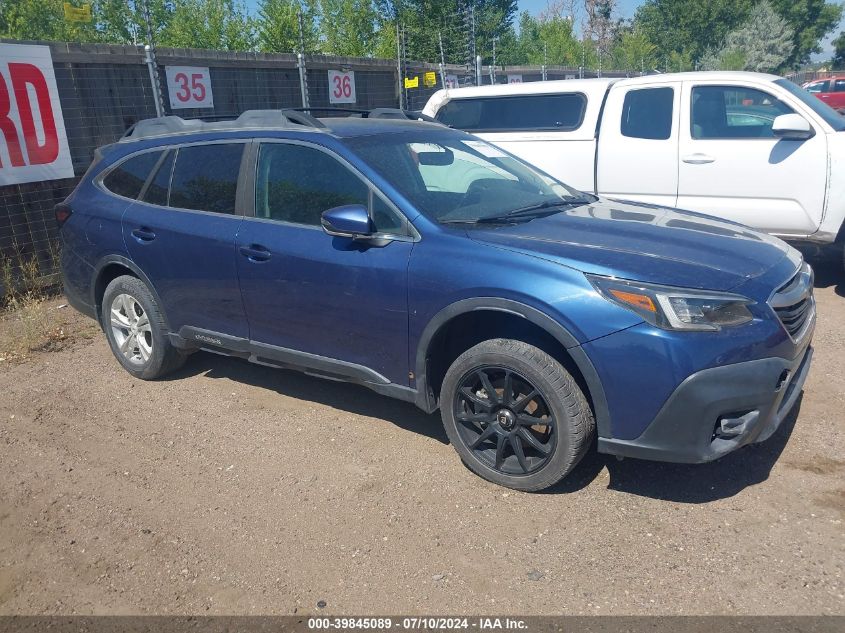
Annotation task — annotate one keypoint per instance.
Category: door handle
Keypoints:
(143, 235)
(825, 96)
(255, 253)
(698, 159)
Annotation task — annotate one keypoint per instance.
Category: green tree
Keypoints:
(278, 25)
(811, 21)
(547, 39)
(561, 46)
(633, 51)
(693, 28)
(723, 59)
(683, 30)
(424, 20)
(838, 61)
(348, 27)
(42, 20)
(765, 40)
(209, 24)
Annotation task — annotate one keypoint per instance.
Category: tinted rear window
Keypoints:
(206, 177)
(128, 178)
(647, 113)
(524, 112)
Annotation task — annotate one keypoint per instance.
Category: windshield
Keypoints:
(455, 178)
(830, 116)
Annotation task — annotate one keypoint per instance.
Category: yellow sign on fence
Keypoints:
(77, 14)
(430, 79)
(412, 83)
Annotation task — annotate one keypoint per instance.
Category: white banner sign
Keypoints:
(33, 142)
(342, 86)
(514, 79)
(189, 87)
(451, 81)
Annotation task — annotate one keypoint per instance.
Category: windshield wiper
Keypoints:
(547, 207)
(537, 210)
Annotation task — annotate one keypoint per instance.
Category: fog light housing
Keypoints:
(734, 425)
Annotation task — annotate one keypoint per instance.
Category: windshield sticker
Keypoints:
(485, 149)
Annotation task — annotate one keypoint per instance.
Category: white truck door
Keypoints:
(733, 167)
(638, 143)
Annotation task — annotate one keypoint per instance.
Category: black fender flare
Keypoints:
(124, 261)
(426, 400)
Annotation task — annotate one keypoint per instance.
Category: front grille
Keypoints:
(793, 302)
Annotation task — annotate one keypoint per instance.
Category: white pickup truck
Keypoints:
(748, 147)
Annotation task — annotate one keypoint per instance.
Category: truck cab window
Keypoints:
(647, 113)
(734, 112)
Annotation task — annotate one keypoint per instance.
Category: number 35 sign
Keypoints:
(341, 86)
(189, 87)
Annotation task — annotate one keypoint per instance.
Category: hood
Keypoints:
(644, 243)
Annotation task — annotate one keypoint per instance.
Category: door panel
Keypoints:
(188, 254)
(732, 167)
(638, 143)
(328, 296)
(307, 291)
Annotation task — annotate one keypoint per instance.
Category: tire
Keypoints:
(129, 310)
(564, 425)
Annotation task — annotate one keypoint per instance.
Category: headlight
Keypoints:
(675, 308)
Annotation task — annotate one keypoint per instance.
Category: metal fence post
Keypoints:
(303, 79)
(149, 57)
(478, 70)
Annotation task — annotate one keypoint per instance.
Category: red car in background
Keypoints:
(831, 90)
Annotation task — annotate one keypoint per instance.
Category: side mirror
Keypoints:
(351, 220)
(792, 127)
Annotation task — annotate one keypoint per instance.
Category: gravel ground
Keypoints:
(233, 488)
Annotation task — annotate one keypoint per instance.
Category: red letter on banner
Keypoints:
(7, 127)
(23, 74)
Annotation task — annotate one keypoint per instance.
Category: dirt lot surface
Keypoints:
(233, 488)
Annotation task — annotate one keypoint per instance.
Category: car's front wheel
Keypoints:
(136, 330)
(515, 415)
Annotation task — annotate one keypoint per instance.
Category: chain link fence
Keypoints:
(104, 89)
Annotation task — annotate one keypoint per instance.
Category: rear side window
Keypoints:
(525, 112)
(128, 178)
(647, 113)
(839, 85)
(205, 177)
(156, 192)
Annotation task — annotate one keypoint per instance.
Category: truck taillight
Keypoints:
(63, 212)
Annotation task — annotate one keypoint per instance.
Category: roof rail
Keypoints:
(375, 113)
(251, 119)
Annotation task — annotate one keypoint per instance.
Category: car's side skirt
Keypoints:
(191, 338)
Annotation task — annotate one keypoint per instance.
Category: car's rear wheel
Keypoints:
(136, 330)
(515, 415)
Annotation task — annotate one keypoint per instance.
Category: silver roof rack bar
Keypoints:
(251, 119)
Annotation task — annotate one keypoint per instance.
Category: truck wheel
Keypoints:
(136, 331)
(515, 415)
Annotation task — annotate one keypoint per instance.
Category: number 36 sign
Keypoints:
(189, 87)
(341, 86)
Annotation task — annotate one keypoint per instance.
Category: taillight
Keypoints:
(63, 212)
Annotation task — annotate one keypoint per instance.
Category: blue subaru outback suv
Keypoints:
(435, 268)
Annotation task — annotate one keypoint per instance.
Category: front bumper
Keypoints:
(718, 410)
